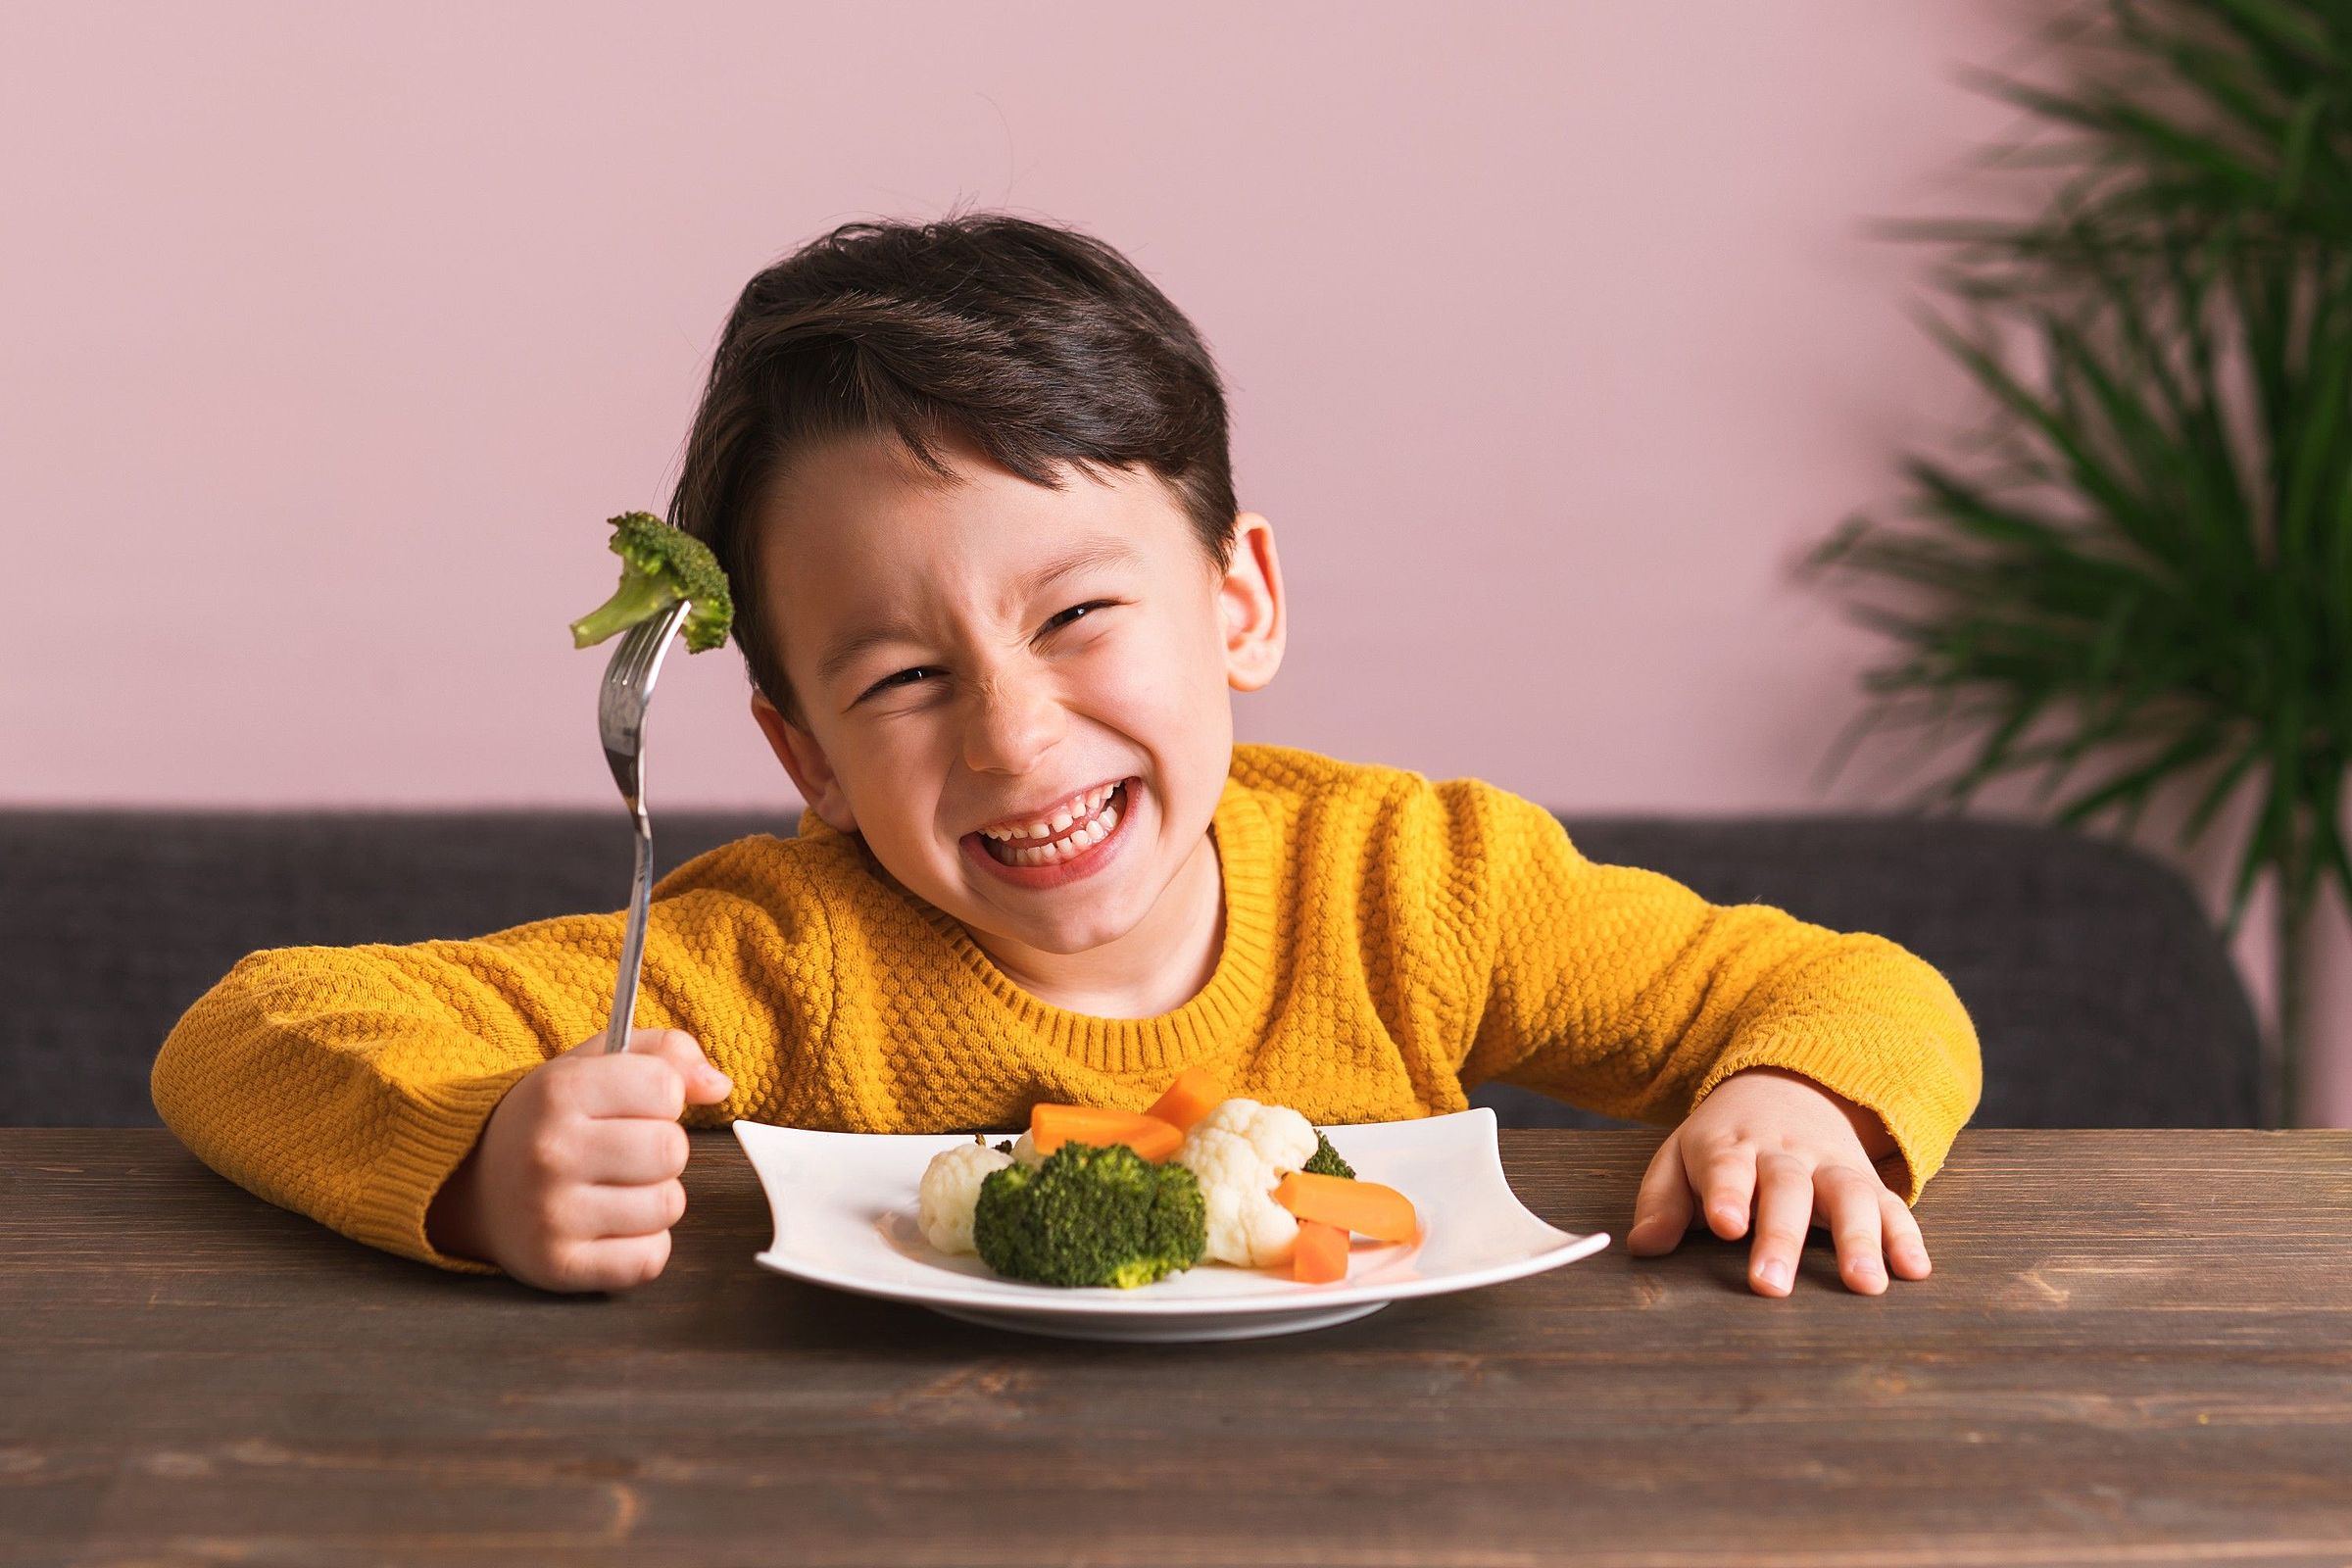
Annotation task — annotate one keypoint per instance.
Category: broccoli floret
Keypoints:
(1005, 1147)
(661, 565)
(1091, 1215)
(1326, 1160)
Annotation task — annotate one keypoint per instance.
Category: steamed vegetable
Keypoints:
(661, 565)
(1326, 1160)
(1238, 1150)
(1381, 1212)
(1051, 1126)
(1196, 1093)
(950, 1191)
(1090, 1216)
(1321, 1255)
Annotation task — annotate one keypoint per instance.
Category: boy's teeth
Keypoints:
(1076, 810)
(1078, 842)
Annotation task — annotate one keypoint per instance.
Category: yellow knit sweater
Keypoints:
(1388, 943)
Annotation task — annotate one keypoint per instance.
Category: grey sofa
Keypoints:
(2100, 994)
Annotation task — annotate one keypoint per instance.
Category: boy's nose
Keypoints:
(1012, 724)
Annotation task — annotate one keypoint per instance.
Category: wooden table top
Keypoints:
(2137, 1348)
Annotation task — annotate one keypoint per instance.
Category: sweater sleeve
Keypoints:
(348, 1083)
(1625, 992)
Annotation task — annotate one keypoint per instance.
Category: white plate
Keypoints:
(844, 1214)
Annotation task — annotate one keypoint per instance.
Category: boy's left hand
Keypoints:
(1803, 1155)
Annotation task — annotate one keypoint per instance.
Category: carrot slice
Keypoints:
(1320, 1255)
(1381, 1212)
(1196, 1093)
(1051, 1126)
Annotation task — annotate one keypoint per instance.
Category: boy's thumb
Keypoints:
(705, 1085)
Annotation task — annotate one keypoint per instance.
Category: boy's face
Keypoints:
(983, 660)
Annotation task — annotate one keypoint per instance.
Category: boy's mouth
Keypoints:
(1070, 840)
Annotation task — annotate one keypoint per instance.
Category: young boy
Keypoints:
(970, 482)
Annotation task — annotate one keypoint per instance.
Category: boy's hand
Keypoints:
(1804, 1155)
(573, 1184)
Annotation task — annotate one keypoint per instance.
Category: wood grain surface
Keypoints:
(2136, 1349)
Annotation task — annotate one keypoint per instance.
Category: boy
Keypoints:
(970, 483)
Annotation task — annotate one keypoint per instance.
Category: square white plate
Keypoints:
(844, 1214)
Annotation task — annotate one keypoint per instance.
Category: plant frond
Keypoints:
(2093, 476)
(2330, 838)
(2224, 786)
(2135, 783)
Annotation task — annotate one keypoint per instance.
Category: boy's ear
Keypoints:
(1251, 599)
(804, 760)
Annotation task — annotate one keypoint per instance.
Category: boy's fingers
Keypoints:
(703, 1083)
(632, 1083)
(1784, 1214)
(1662, 1207)
(603, 1212)
(609, 1263)
(1906, 1251)
(1849, 1199)
(632, 1151)
(1727, 1185)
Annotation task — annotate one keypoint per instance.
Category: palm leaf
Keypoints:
(2093, 475)
(2330, 839)
(2289, 40)
(2224, 786)
(2135, 783)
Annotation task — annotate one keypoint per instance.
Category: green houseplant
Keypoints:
(2146, 564)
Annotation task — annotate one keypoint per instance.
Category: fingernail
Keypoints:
(1868, 1268)
(721, 1082)
(1775, 1273)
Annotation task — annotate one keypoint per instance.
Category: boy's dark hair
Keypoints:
(1036, 344)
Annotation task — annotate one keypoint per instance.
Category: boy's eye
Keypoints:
(1075, 612)
(905, 678)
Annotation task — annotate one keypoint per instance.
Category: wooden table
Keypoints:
(2137, 1348)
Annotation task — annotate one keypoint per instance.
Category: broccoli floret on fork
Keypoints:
(661, 565)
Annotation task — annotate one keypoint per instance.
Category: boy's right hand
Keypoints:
(573, 1184)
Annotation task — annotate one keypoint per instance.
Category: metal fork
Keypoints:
(620, 719)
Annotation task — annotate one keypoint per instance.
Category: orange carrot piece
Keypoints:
(1320, 1255)
(1051, 1126)
(1196, 1093)
(1381, 1212)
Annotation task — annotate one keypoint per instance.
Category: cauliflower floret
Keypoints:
(1238, 1150)
(951, 1192)
(1024, 1152)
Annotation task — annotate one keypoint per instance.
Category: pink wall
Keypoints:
(333, 334)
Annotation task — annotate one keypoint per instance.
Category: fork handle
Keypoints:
(632, 946)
